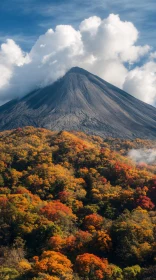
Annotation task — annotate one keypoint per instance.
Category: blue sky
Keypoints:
(25, 20)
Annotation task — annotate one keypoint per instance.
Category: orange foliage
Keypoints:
(103, 241)
(56, 242)
(54, 184)
(89, 265)
(54, 263)
(93, 222)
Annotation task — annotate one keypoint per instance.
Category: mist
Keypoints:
(143, 155)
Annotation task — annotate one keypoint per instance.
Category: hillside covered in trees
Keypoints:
(75, 207)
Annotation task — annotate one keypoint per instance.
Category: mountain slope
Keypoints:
(82, 101)
(74, 206)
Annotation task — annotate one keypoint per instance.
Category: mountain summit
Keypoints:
(82, 101)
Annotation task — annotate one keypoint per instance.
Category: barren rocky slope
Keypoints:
(82, 101)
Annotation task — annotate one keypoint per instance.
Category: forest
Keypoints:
(75, 207)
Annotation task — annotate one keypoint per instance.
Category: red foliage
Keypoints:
(104, 180)
(3, 201)
(64, 196)
(145, 202)
(55, 210)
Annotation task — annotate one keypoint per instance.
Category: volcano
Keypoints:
(84, 102)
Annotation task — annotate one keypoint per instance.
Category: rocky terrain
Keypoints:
(84, 102)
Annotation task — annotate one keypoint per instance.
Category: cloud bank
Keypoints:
(107, 48)
(143, 155)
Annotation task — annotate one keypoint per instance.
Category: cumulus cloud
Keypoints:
(111, 38)
(11, 54)
(143, 155)
(142, 82)
(11, 58)
(104, 47)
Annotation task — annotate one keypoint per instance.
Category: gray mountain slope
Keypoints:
(82, 101)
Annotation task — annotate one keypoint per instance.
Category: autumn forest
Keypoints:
(75, 207)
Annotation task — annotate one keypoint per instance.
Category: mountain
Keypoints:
(84, 102)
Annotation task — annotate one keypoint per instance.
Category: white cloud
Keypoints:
(11, 54)
(112, 70)
(5, 74)
(111, 38)
(90, 25)
(143, 155)
(100, 46)
(142, 81)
